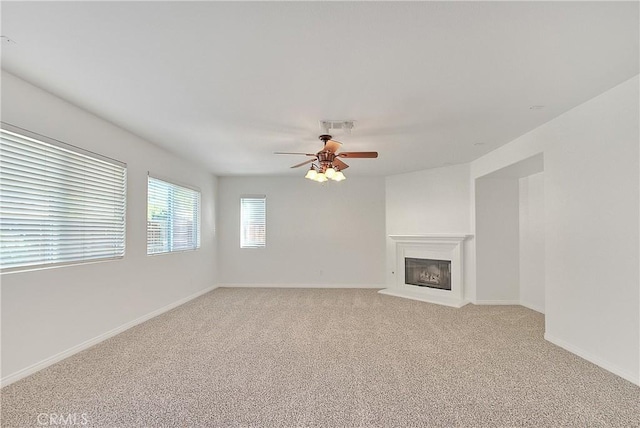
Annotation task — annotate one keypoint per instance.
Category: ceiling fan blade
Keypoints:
(293, 153)
(358, 154)
(331, 146)
(341, 165)
(304, 163)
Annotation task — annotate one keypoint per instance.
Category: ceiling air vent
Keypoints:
(328, 125)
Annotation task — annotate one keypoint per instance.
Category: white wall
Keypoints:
(591, 203)
(48, 311)
(497, 241)
(532, 267)
(329, 234)
(434, 200)
(430, 201)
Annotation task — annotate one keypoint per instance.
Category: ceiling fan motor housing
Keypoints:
(325, 159)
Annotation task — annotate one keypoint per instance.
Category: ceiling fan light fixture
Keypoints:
(321, 178)
(339, 176)
(311, 174)
(330, 172)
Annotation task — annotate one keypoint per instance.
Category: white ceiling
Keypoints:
(227, 84)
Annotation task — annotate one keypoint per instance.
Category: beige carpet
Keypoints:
(327, 358)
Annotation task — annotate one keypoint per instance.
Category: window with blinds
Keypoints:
(253, 222)
(173, 217)
(58, 204)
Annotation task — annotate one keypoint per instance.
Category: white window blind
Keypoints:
(253, 222)
(58, 203)
(173, 217)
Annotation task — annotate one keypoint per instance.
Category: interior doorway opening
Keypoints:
(510, 259)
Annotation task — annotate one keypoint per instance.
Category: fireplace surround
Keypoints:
(434, 257)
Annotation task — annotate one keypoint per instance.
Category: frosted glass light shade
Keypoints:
(330, 172)
(311, 174)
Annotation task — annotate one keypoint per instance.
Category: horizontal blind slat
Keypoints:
(49, 163)
(33, 148)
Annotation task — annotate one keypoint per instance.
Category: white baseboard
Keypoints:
(533, 307)
(9, 379)
(593, 359)
(497, 302)
(510, 302)
(259, 285)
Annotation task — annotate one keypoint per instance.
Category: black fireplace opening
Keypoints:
(428, 273)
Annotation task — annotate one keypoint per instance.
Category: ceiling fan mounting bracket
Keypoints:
(324, 138)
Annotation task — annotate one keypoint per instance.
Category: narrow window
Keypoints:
(173, 217)
(59, 204)
(253, 223)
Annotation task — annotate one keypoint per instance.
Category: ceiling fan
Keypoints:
(326, 164)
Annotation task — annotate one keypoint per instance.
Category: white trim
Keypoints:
(497, 302)
(296, 285)
(7, 380)
(532, 307)
(593, 359)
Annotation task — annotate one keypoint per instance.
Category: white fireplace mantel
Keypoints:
(441, 246)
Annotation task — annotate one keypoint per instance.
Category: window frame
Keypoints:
(263, 244)
(198, 228)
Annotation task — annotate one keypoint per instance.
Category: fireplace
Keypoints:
(427, 273)
(429, 268)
